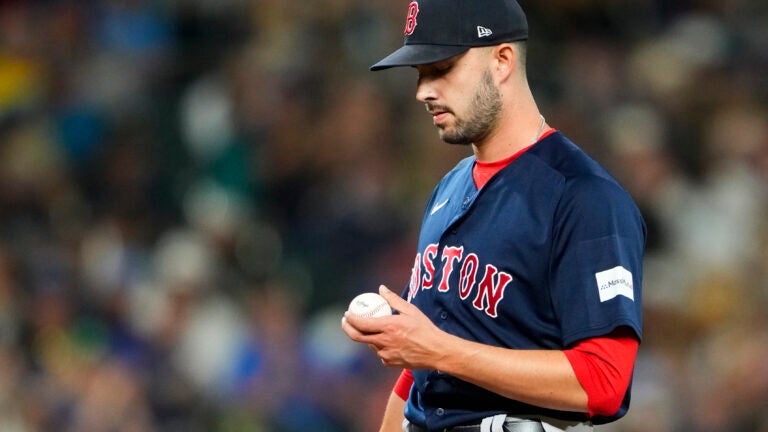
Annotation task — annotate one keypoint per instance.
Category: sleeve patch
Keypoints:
(615, 282)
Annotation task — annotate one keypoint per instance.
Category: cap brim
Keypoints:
(413, 55)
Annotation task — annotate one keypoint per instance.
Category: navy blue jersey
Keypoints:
(547, 253)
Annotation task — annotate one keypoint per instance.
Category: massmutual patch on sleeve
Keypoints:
(615, 282)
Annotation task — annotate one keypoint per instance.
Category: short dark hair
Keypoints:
(522, 51)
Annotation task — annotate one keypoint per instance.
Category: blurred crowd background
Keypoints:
(191, 191)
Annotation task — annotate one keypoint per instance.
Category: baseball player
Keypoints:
(523, 310)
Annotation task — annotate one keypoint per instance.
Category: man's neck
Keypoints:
(511, 137)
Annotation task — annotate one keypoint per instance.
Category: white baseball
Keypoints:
(369, 305)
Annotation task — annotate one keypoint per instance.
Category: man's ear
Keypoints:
(505, 56)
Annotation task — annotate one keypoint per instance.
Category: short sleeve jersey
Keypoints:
(547, 253)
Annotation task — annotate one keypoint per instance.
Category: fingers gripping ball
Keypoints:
(370, 305)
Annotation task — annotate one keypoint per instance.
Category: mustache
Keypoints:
(432, 108)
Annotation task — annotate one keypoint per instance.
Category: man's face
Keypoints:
(461, 96)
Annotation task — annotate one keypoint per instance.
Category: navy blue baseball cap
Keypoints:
(436, 30)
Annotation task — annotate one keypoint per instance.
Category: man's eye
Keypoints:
(435, 70)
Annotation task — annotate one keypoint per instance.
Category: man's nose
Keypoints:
(425, 89)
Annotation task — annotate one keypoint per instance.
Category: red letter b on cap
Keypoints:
(410, 20)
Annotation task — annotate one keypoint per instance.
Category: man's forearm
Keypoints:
(543, 378)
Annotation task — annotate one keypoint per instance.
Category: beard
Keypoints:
(482, 117)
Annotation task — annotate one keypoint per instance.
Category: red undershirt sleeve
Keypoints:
(403, 384)
(604, 367)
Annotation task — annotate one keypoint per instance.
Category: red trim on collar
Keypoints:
(483, 171)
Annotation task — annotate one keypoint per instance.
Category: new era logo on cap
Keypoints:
(436, 30)
(483, 32)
